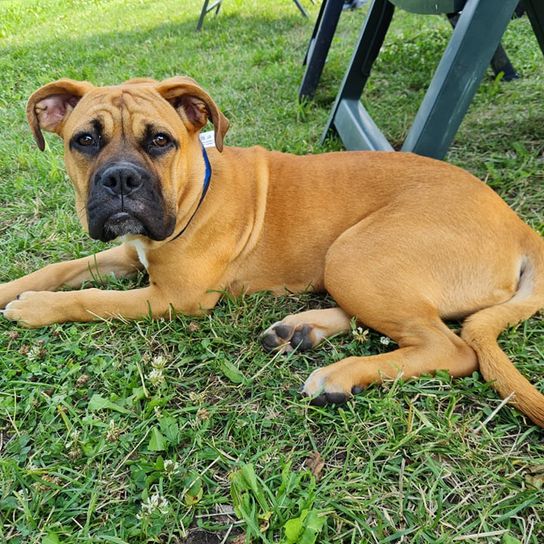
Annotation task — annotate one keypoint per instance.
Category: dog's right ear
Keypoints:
(49, 107)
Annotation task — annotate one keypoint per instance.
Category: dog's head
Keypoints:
(132, 150)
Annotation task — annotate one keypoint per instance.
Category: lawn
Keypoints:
(186, 430)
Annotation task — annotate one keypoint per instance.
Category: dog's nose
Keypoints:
(121, 179)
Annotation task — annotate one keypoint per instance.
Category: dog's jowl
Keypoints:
(401, 242)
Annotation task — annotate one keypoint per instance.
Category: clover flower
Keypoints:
(153, 505)
(171, 467)
(360, 334)
(156, 377)
(158, 362)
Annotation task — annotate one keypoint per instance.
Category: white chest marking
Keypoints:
(140, 249)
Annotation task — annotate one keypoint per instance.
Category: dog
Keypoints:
(401, 242)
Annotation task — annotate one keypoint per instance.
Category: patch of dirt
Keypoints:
(199, 536)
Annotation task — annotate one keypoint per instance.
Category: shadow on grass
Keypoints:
(159, 52)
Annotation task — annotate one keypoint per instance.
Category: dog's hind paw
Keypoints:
(330, 385)
(285, 338)
(329, 398)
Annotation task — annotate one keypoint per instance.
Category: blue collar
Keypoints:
(205, 187)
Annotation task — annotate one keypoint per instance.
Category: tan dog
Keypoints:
(400, 241)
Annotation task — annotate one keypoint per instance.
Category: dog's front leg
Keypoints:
(120, 260)
(39, 308)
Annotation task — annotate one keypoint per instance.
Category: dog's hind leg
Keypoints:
(426, 345)
(400, 291)
(305, 330)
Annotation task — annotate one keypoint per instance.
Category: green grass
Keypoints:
(95, 448)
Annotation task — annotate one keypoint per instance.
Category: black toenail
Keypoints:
(355, 390)
(320, 400)
(297, 339)
(269, 342)
(336, 398)
(301, 338)
(283, 331)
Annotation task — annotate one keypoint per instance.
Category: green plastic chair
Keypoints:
(457, 77)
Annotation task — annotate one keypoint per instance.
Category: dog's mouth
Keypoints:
(126, 199)
(120, 224)
(151, 223)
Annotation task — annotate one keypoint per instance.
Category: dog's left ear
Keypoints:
(194, 106)
(49, 107)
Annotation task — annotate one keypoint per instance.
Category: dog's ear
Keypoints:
(194, 106)
(49, 107)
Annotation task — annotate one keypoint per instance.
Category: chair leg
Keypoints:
(499, 62)
(535, 11)
(368, 46)
(319, 46)
(300, 8)
(314, 31)
(458, 76)
(202, 14)
(206, 8)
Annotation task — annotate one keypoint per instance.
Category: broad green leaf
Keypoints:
(231, 372)
(170, 428)
(51, 538)
(157, 442)
(98, 402)
(305, 529)
(293, 528)
(248, 481)
(314, 524)
(507, 539)
(195, 491)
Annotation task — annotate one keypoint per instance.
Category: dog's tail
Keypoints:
(482, 329)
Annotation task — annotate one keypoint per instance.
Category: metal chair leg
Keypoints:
(314, 31)
(499, 62)
(458, 76)
(300, 8)
(202, 14)
(206, 8)
(354, 125)
(319, 46)
(535, 11)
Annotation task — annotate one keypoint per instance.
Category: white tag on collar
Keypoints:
(207, 138)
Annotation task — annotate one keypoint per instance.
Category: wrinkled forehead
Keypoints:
(125, 109)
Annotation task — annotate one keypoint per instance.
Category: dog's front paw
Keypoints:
(329, 385)
(34, 309)
(284, 338)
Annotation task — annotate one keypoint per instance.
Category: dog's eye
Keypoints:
(85, 140)
(160, 140)
(156, 144)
